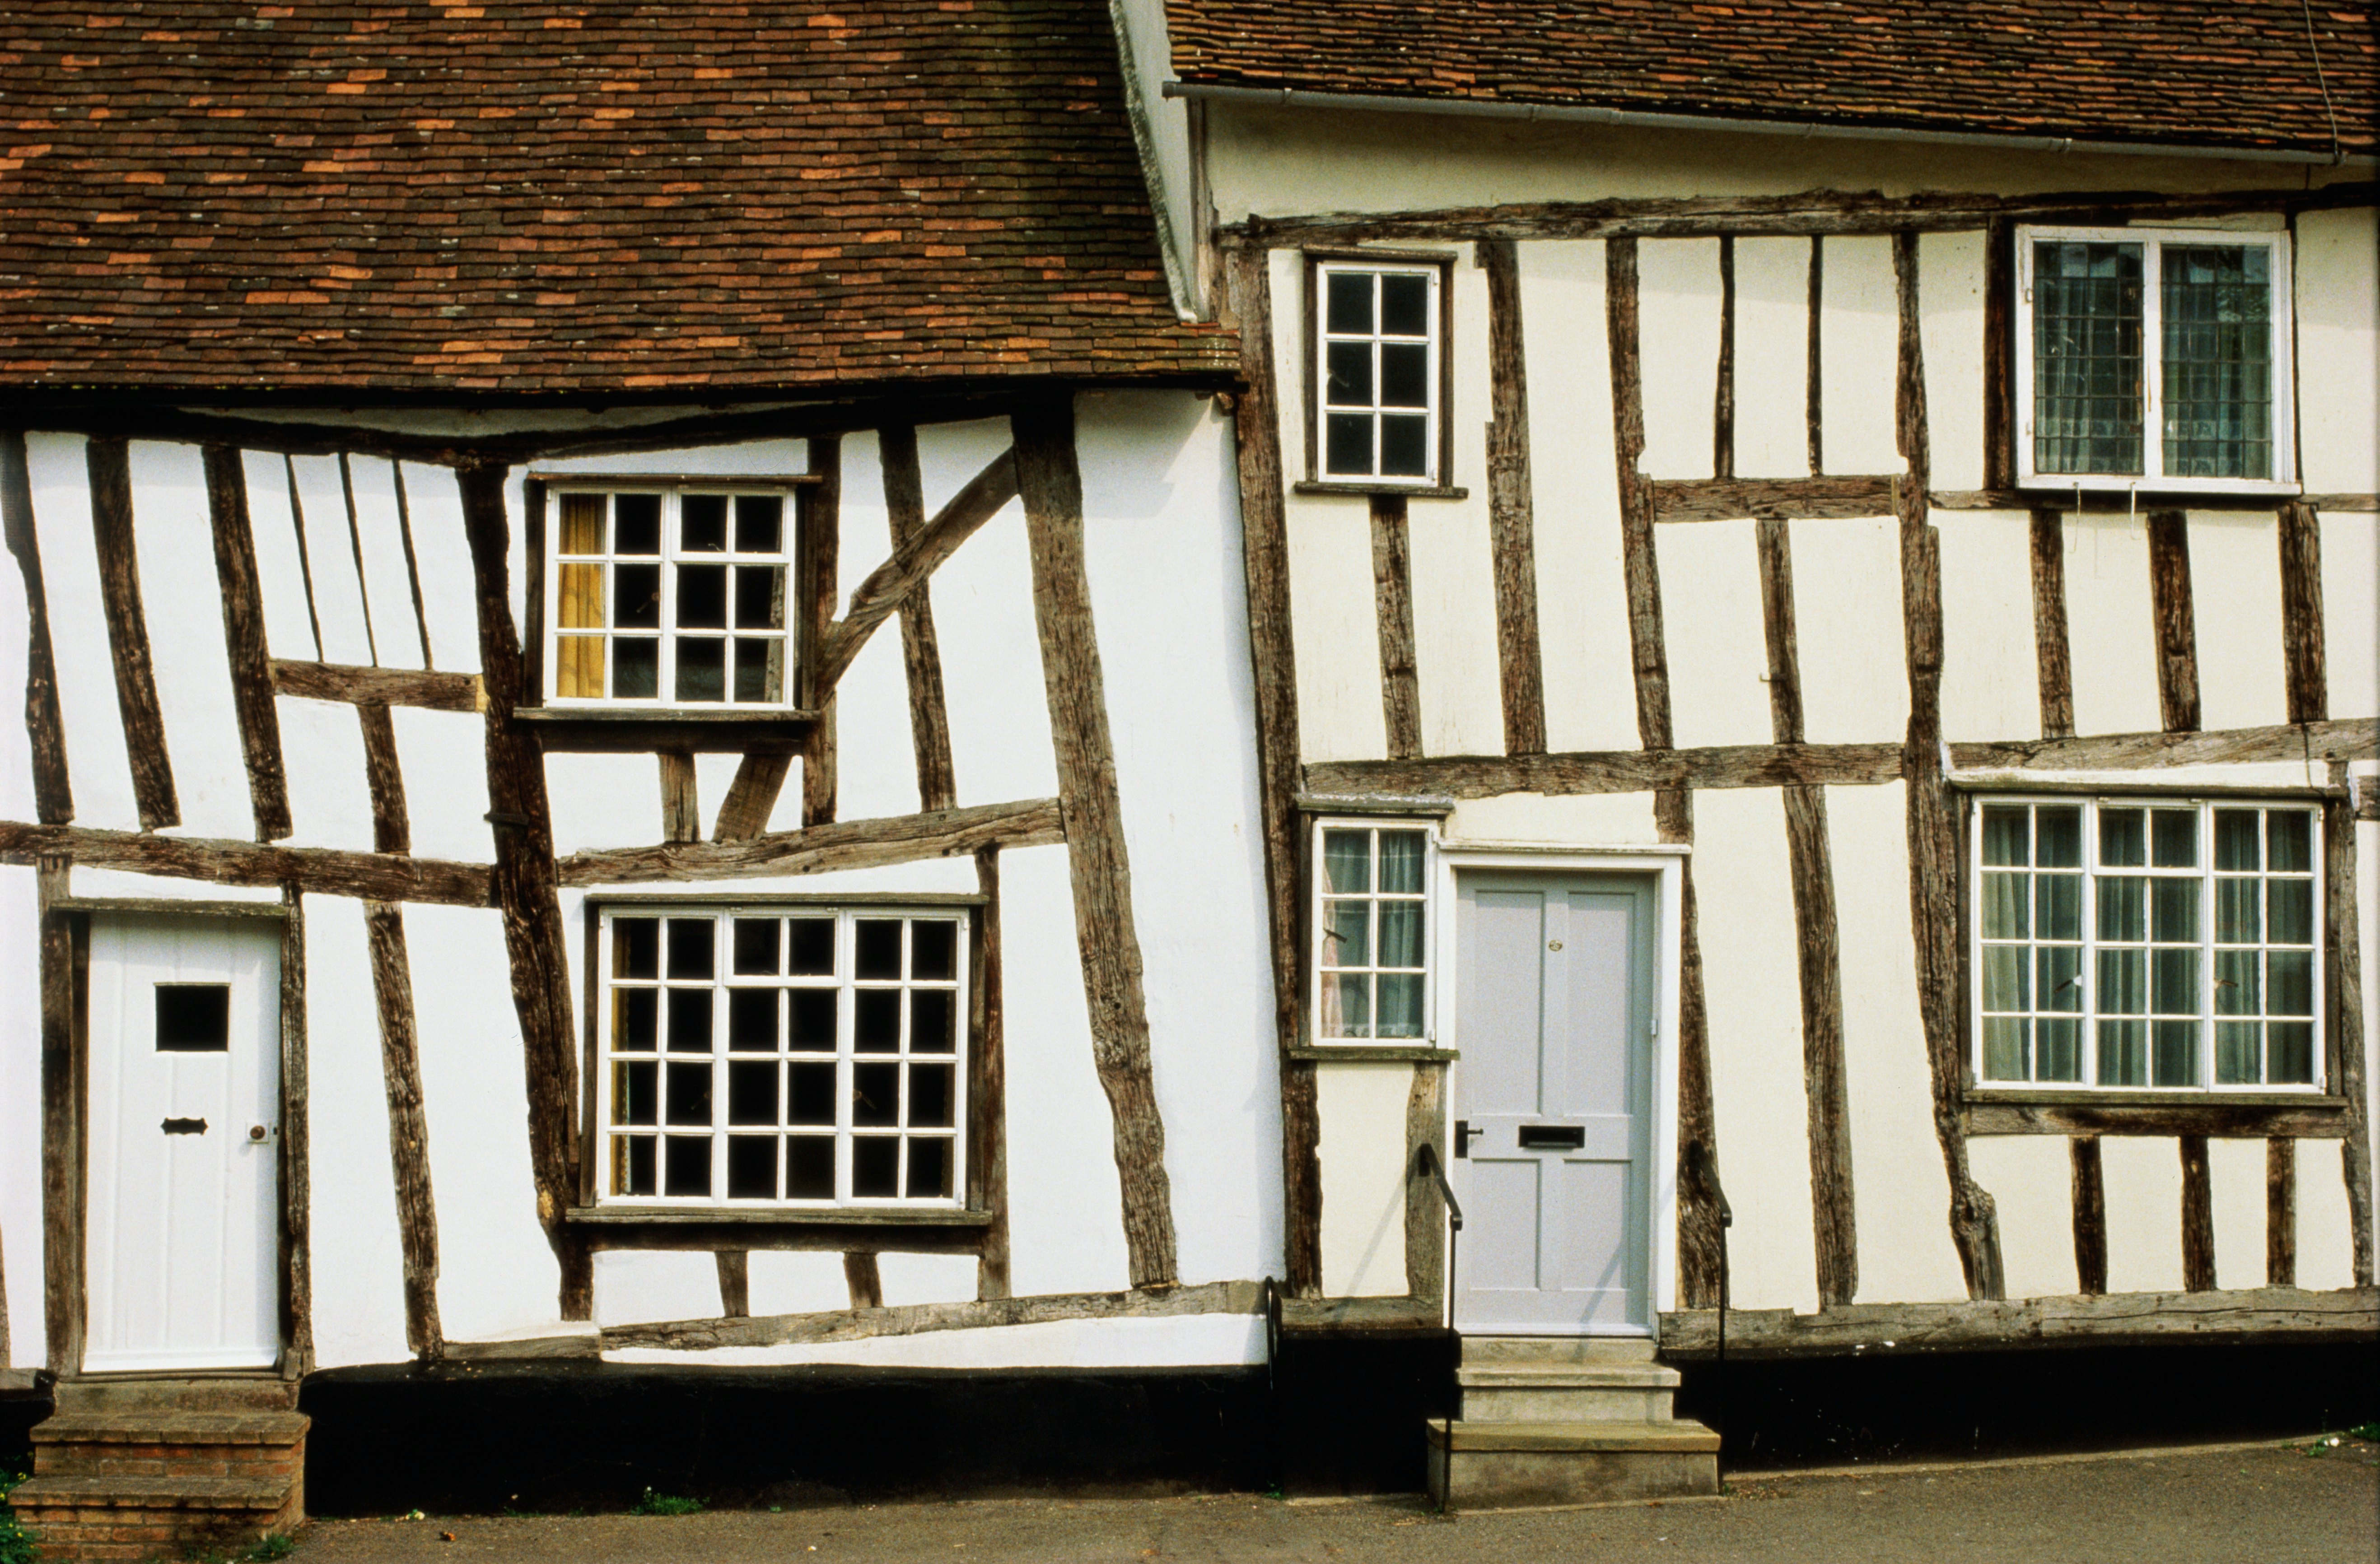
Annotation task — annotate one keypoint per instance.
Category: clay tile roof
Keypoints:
(535, 197)
(2215, 73)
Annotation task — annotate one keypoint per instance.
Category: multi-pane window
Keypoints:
(2124, 943)
(677, 598)
(1379, 362)
(782, 1054)
(2152, 358)
(1371, 968)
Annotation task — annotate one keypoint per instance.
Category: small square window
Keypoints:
(1379, 357)
(1371, 954)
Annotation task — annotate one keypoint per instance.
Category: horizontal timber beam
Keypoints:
(842, 844)
(1870, 494)
(2304, 1119)
(378, 877)
(1780, 765)
(2261, 1314)
(378, 686)
(912, 1319)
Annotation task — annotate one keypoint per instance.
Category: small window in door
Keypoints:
(193, 1018)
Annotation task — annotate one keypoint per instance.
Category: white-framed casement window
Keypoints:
(1378, 391)
(2152, 358)
(782, 1055)
(670, 598)
(2165, 944)
(1371, 945)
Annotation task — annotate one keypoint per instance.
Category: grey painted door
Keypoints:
(1553, 998)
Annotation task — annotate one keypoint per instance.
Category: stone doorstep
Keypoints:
(1485, 1350)
(1682, 1436)
(229, 1497)
(162, 1427)
(1567, 1377)
(223, 1393)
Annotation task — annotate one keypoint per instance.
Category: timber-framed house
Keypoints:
(1568, 680)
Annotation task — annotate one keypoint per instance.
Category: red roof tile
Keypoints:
(536, 197)
(2227, 73)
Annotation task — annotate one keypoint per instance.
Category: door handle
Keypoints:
(1553, 1137)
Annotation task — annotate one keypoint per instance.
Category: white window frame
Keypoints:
(844, 1058)
(2089, 1015)
(1318, 896)
(2152, 479)
(668, 560)
(1317, 388)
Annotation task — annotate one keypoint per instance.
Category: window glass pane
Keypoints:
(2059, 1050)
(636, 947)
(809, 1168)
(632, 1166)
(751, 1166)
(759, 523)
(876, 1167)
(2174, 986)
(876, 1021)
(2235, 1048)
(1347, 861)
(2087, 356)
(702, 596)
(2005, 975)
(2176, 832)
(933, 949)
(752, 1095)
(2235, 839)
(1399, 1005)
(2007, 839)
(635, 1020)
(811, 1013)
(635, 669)
(759, 669)
(1404, 305)
(2123, 982)
(636, 524)
(2004, 906)
(690, 1020)
(2174, 911)
(812, 946)
(2003, 1048)
(1404, 374)
(2236, 919)
(876, 1095)
(579, 667)
(1350, 302)
(2217, 320)
(703, 524)
(876, 945)
(2123, 907)
(929, 1169)
(579, 604)
(752, 1019)
(760, 597)
(689, 947)
(2123, 1053)
(1347, 934)
(635, 1094)
(701, 668)
(2289, 976)
(2124, 838)
(1404, 446)
(1347, 444)
(1401, 934)
(2237, 990)
(1347, 381)
(930, 1095)
(687, 1091)
(2061, 978)
(639, 603)
(2293, 910)
(931, 1020)
(2058, 909)
(2290, 1053)
(2288, 842)
(756, 946)
(1347, 1006)
(2059, 828)
(1401, 860)
(2177, 1054)
(582, 523)
(811, 1100)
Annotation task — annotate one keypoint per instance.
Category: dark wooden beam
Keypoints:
(2177, 631)
(1723, 392)
(2302, 652)
(44, 726)
(412, 560)
(2197, 1217)
(1393, 607)
(356, 545)
(910, 1319)
(844, 845)
(305, 551)
(1512, 525)
(409, 1127)
(2052, 672)
(1425, 1209)
(1272, 662)
(734, 1267)
(128, 634)
(681, 810)
(921, 656)
(914, 559)
(1052, 488)
(293, 1169)
(377, 686)
(1999, 379)
(1702, 1242)
(527, 890)
(2090, 1215)
(2343, 958)
(391, 831)
(2280, 1212)
(2307, 1118)
(1640, 561)
(751, 796)
(64, 1071)
(861, 1276)
(1814, 362)
(1932, 812)
(322, 870)
(987, 1169)
(1770, 499)
(821, 546)
(243, 618)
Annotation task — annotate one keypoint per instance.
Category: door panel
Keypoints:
(184, 1140)
(1553, 1020)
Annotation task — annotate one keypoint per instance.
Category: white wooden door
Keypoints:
(1553, 1141)
(184, 1141)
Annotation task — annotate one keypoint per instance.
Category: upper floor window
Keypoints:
(2152, 358)
(1371, 907)
(676, 597)
(1379, 371)
(2147, 942)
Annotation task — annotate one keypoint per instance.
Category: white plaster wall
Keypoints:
(1453, 566)
(1847, 629)
(1362, 1111)
(2324, 1227)
(1772, 357)
(2143, 1176)
(2351, 611)
(1991, 685)
(1902, 1195)
(1859, 355)
(1745, 920)
(2236, 1179)
(2235, 592)
(2029, 1179)
(1582, 594)
(1950, 335)
(634, 1287)
(790, 1281)
(96, 768)
(1710, 622)
(21, 1064)
(2111, 639)
(1596, 819)
(1678, 325)
(2338, 350)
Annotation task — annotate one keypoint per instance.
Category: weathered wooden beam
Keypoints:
(2177, 630)
(377, 686)
(1812, 359)
(243, 617)
(305, 551)
(921, 656)
(913, 1319)
(1511, 525)
(833, 1232)
(914, 559)
(681, 810)
(1389, 1315)
(1424, 1208)
(844, 844)
(1773, 550)
(822, 554)
(1702, 1241)
(1088, 800)
(356, 545)
(2343, 958)
(1393, 607)
(735, 1267)
(2090, 1193)
(2266, 1314)
(751, 796)
(2308, 1119)
(1640, 563)
(2052, 672)
(1932, 813)
(408, 1126)
(1770, 499)
(2197, 1217)
(526, 888)
(391, 831)
(64, 1072)
(44, 726)
(128, 634)
(1272, 662)
(987, 1152)
(2000, 343)
(2302, 659)
(860, 1277)
(412, 562)
(293, 1169)
(1723, 389)
(2119, 502)
(2280, 1212)
(380, 877)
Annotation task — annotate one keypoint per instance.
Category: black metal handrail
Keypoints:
(1427, 1165)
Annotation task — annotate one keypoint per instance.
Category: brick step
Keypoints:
(163, 1426)
(113, 1516)
(192, 1393)
(111, 1491)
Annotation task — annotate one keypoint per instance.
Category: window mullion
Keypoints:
(2152, 361)
(2206, 912)
(2090, 1041)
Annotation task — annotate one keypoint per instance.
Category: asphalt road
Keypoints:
(2271, 1506)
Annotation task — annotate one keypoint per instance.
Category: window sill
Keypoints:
(936, 1229)
(1408, 491)
(2243, 1115)
(1374, 1053)
(2166, 493)
(596, 730)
